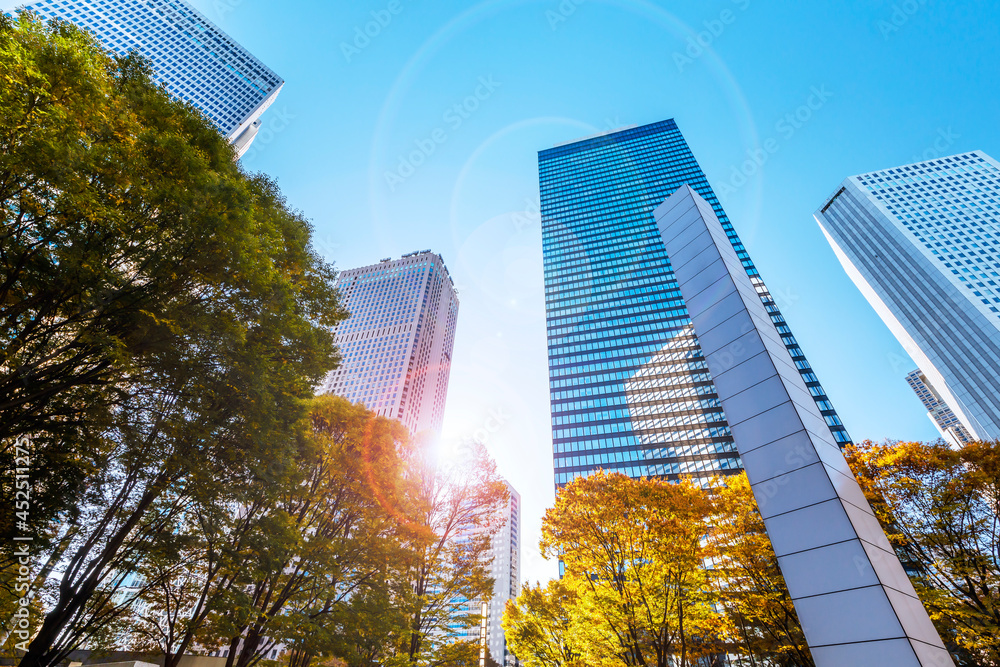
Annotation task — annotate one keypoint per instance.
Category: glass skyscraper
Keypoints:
(630, 390)
(922, 243)
(195, 60)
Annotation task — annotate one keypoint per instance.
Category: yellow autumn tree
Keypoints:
(536, 625)
(940, 509)
(633, 552)
(761, 618)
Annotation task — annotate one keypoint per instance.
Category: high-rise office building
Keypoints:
(397, 343)
(506, 573)
(505, 551)
(630, 389)
(195, 60)
(944, 419)
(922, 243)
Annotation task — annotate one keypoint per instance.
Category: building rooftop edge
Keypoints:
(595, 136)
(8, 6)
(854, 179)
(409, 255)
(913, 164)
(607, 133)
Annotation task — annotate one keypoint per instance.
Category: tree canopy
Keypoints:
(657, 573)
(135, 253)
(163, 316)
(633, 554)
(537, 625)
(940, 508)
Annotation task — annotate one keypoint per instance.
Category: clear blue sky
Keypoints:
(889, 82)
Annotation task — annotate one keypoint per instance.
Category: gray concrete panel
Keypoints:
(850, 591)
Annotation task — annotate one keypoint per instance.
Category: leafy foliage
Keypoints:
(163, 317)
(633, 554)
(657, 573)
(940, 509)
(761, 620)
(537, 625)
(459, 505)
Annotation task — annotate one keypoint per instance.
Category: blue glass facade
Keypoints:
(630, 389)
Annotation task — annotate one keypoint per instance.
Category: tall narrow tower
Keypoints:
(922, 243)
(506, 573)
(505, 553)
(630, 389)
(944, 419)
(397, 343)
(195, 60)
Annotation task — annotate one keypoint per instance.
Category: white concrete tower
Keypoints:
(855, 602)
(922, 243)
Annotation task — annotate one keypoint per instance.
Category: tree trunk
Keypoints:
(250, 644)
(680, 629)
(415, 637)
(231, 656)
(40, 652)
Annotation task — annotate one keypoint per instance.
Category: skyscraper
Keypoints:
(850, 591)
(630, 389)
(397, 343)
(922, 243)
(505, 551)
(947, 423)
(506, 573)
(195, 60)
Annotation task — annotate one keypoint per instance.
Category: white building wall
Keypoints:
(505, 551)
(507, 578)
(195, 60)
(938, 412)
(852, 595)
(922, 243)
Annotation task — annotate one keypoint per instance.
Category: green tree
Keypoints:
(940, 509)
(634, 554)
(163, 316)
(289, 557)
(537, 625)
(339, 524)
